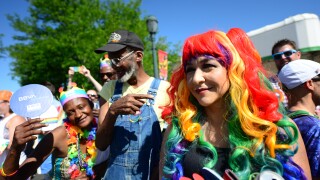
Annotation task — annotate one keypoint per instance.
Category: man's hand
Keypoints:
(129, 104)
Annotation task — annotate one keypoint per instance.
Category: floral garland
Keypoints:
(86, 161)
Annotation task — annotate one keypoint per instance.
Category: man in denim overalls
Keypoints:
(130, 115)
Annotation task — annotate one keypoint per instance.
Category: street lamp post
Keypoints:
(152, 25)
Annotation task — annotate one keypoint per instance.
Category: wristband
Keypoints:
(2, 173)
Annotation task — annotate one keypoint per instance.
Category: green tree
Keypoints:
(59, 34)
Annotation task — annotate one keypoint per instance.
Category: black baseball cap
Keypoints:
(119, 40)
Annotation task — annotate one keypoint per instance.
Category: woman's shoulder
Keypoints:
(18, 118)
(109, 84)
(15, 121)
(107, 89)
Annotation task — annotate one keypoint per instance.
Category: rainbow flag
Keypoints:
(52, 117)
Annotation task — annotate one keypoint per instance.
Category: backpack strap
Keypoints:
(298, 113)
(117, 92)
(153, 89)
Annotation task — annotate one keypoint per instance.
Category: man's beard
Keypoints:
(133, 70)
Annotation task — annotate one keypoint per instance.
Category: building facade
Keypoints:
(304, 29)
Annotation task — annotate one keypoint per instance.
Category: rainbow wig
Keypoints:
(255, 119)
(73, 93)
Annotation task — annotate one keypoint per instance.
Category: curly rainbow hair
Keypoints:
(255, 119)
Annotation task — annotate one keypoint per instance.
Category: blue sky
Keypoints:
(179, 19)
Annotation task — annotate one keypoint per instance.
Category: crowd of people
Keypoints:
(221, 116)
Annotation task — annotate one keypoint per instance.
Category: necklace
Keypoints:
(79, 161)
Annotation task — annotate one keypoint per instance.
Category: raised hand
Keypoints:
(26, 132)
(85, 71)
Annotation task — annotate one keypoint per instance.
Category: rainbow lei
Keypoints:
(78, 161)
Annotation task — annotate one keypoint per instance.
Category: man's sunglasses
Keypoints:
(116, 61)
(278, 56)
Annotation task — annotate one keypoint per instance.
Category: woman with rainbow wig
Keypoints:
(72, 145)
(225, 120)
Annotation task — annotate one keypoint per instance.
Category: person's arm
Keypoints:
(301, 157)
(129, 104)
(11, 125)
(86, 73)
(70, 73)
(101, 130)
(162, 153)
(24, 133)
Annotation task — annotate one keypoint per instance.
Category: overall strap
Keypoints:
(298, 113)
(118, 88)
(117, 92)
(153, 89)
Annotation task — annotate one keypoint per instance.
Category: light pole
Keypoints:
(152, 25)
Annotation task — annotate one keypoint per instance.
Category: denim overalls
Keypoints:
(135, 147)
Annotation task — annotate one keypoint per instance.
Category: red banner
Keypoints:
(163, 64)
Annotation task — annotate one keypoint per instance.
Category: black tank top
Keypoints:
(192, 161)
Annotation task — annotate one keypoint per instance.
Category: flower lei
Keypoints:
(84, 163)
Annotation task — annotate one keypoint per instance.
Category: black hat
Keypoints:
(119, 40)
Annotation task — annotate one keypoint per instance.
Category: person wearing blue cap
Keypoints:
(72, 145)
(302, 82)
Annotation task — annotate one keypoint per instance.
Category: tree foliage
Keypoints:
(2, 49)
(59, 34)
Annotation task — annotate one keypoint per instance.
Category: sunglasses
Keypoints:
(92, 95)
(315, 79)
(109, 75)
(116, 61)
(278, 56)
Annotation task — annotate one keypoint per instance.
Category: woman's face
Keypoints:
(79, 112)
(207, 80)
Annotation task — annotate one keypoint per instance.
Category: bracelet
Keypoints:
(2, 173)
